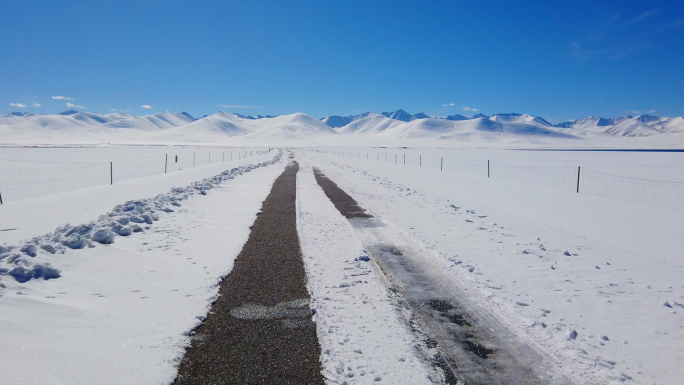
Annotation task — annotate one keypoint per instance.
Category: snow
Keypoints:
(121, 312)
(593, 281)
(363, 337)
(390, 129)
(508, 244)
(83, 202)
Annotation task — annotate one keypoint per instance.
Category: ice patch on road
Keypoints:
(28, 260)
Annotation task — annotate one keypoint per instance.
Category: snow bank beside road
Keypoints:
(29, 260)
(24, 219)
(121, 312)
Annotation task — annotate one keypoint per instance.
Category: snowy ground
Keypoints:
(364, 339)
(546, 262)
(543, 261)
(27, 172)
(120, 312)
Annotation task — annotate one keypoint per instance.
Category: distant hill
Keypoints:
(369, 127)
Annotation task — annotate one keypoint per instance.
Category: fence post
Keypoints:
(487, 168)
(421, 161)
(578, 178)
(111, 173)
(441, 164)
(166, 163)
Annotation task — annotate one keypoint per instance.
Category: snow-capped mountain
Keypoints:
(404, 116)
(456, 117)
(632, 126)
(341, 121)
(380, 125)
(88, 127)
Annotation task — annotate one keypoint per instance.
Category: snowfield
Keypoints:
(121, 312)
(592, 280)
(593, 283)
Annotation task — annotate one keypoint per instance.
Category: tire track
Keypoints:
(260, 329)
(464, 342)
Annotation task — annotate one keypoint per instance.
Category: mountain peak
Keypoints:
(399, 115)
(26, 114)
(456, 117)
(188, 116)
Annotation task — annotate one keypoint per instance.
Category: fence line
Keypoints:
(22, 179)
(573, 179)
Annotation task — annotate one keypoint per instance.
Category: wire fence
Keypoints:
(572, 179)
(21, 179)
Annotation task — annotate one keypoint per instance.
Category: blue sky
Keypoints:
(558, 60)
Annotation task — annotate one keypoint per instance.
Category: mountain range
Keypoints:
(395, 125)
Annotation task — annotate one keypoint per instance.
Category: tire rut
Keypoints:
(260, 328)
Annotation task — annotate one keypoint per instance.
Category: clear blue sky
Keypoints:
(558, 60)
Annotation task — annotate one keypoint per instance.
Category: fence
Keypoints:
(573, 179)
(20, 179)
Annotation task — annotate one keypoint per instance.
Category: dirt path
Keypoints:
(260, 329)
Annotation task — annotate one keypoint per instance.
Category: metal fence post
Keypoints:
(111, 173)
(578, 178)
(421, 161)
(166, 163)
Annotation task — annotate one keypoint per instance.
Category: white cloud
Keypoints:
(230, 106)
(466, 108)
(651, 111)
(62, 98)
(71, 105)
(145, 106)
(20, 105)
(36, 104)
(448, 105)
